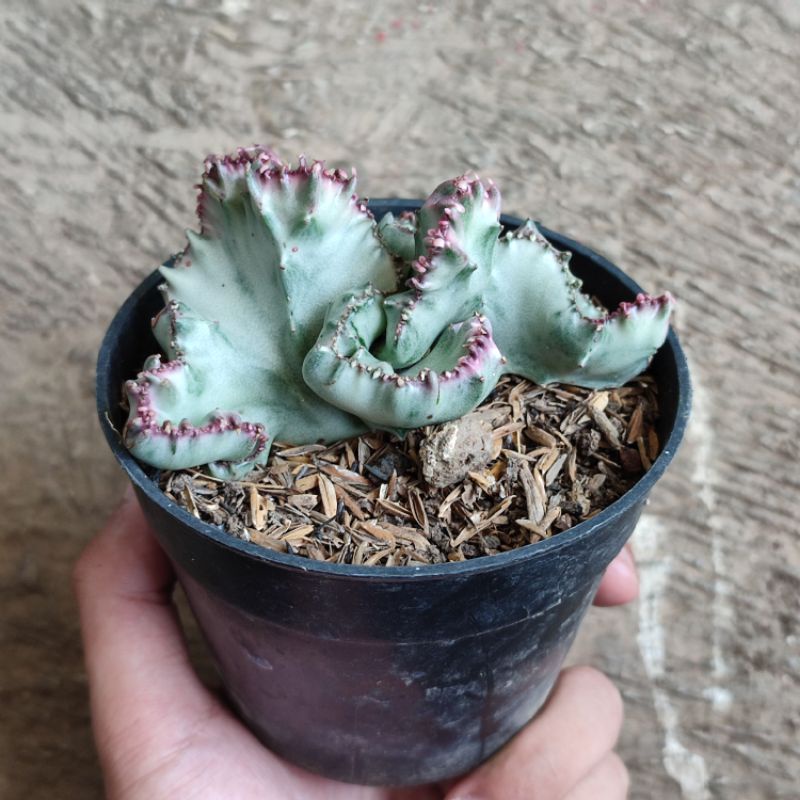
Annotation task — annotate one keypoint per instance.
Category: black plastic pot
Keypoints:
(377, 675)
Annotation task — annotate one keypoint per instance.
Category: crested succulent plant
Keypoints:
(294, 315)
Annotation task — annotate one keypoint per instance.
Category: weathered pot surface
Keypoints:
(388, 675)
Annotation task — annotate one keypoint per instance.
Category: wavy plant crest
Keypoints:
(245, 302)
(293, 315)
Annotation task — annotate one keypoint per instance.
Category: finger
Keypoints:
(620, 583)
(575, 730)
(134, 649)
(608, 780)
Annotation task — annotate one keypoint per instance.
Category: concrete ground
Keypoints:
(664, 134)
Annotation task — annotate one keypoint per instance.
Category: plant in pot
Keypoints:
(397, 351)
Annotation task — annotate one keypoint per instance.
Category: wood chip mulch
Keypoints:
(529, 463)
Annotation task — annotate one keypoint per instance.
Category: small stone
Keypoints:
(456, 449)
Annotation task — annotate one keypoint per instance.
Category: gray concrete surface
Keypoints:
(664, 134)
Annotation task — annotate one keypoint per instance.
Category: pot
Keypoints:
(388, 675)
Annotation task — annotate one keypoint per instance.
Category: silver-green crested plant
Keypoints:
(293, 315)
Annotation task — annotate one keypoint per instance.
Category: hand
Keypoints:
(161, 733)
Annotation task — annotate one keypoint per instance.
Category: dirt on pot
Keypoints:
(529, 463)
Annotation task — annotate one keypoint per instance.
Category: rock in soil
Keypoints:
(456, 449)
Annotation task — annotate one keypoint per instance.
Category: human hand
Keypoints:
(161, 733)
